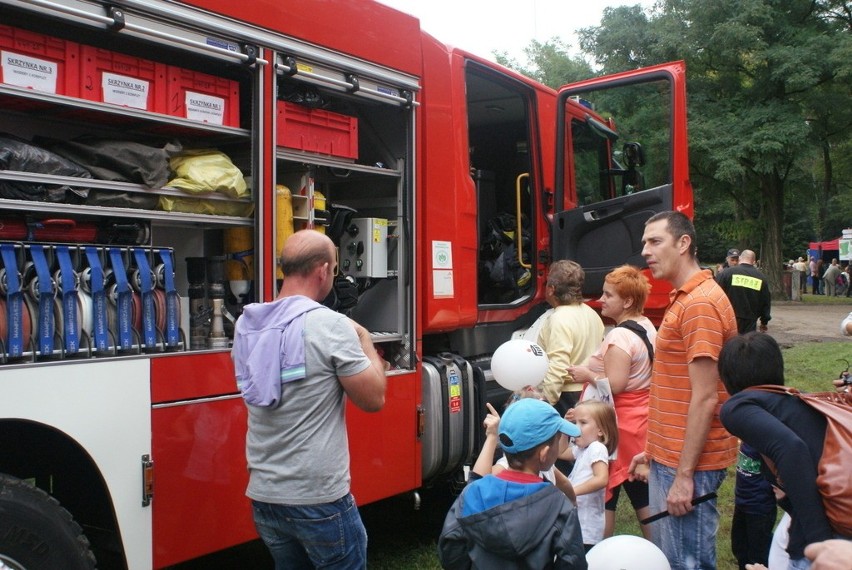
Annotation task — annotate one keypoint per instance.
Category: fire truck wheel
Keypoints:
(36, 532)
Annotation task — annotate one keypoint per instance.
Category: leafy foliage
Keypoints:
(549, 63)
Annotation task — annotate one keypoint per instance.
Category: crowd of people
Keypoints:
(684, 410)
(660, 414)
(832, 279)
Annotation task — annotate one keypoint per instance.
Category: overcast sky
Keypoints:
(482, 26)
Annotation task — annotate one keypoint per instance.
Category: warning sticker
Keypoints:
(454, 391)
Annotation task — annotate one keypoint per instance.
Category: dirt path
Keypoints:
(796, 322)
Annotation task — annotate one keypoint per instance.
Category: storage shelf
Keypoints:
(176, 218)
(171, 218)
(77, 182)
(73, 109)
(336, 163)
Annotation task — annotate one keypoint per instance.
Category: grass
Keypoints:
(809, 299)
(408, 540)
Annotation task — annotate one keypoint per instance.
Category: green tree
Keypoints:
(624, 40)
(549, 63)
(761, 69)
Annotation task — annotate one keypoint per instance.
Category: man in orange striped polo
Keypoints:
(687, 450)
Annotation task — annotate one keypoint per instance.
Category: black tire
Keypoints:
(37, 533)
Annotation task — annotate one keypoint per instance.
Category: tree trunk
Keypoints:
(825, 194)
(772, 264)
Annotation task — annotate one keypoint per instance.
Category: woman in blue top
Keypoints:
(783, 429)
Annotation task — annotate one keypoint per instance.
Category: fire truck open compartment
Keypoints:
(45, 120)
(337, 185)
(365, 201)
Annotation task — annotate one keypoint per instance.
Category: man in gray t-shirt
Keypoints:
(295, 360)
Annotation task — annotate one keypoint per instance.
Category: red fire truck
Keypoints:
(153, 156)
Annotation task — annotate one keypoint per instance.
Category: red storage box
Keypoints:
(316, 130)
(202, 97)
(125, 80)
(39, 62)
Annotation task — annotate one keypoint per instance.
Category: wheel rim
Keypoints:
(7, 563)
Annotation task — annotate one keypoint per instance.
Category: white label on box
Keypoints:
(125, 91)
(29, 72)
(205, 108)
(442, 284)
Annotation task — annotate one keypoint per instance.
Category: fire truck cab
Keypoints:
(154, 156)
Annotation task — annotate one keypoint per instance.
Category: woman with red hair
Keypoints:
(625, 358)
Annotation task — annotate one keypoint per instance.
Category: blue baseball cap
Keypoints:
(530, 422)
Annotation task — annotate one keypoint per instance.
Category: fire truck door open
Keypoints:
(499, 132)
(621, 157)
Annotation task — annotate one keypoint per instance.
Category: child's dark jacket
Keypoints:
(499, 523)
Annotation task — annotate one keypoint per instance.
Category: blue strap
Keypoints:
(14, 302)
(241, 255)
(124, 303)
(69, 299)
(149, 313)
(45, 300)
(172, 333)
(100, 321)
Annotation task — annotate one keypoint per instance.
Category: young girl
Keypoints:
(590, 452)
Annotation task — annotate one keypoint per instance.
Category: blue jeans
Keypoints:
(329, 535)
(689, 542)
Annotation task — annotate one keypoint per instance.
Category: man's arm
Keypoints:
(366, 389)
(766, 304)
(703, 378)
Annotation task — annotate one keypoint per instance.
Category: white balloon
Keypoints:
(518, 363)
(626, 552)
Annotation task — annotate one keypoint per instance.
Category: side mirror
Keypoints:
(633, 154)
(632, 180)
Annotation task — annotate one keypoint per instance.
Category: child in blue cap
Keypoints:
(516, 519)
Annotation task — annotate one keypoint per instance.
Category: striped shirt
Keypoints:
(698, 320)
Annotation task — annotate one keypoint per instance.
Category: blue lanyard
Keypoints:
(100, 322)
(124, 302)
(172, 308)
(69, 299)
(14, 302)
(45, 300)
(149, 314)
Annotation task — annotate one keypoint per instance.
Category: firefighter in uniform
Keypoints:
(748, 291)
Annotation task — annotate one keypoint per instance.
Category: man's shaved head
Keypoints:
(305, 250)
(747, 256)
